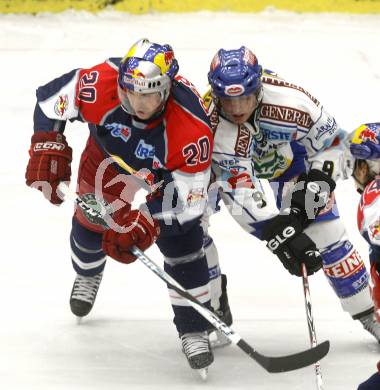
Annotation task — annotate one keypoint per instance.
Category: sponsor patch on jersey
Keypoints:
(329, 128)
(118, 130)
(228, 163)
(242, 180)
(243, 141)
(144, 151)
(157, 164)
(98, 205)
(195, 196)
(214, 119)
(271, 165)
(236, 170)
(286, 115)
(276, 135)
(374, 231)
(61, 105)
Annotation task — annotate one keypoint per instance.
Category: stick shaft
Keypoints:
(310, 324)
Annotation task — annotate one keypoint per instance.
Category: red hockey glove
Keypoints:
(376, 290)
(49, 163)
(140, 232)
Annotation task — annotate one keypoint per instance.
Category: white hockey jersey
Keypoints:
(296, 130)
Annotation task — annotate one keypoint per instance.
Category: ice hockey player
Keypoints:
(148, 128)
(278, 127)
(365, 148)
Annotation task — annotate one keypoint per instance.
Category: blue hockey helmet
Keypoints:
(147, 68)
(235, 73)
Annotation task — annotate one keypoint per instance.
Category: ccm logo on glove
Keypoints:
(40, 146)
(49, 163)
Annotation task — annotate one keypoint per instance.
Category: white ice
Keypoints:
(129, 341)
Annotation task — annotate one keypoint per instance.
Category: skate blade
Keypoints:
(78, 320)
(203, 372)
(218, 340)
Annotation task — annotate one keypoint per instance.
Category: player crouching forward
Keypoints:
(234, 103)
(273, 129)
(365, 147)
(147, 121)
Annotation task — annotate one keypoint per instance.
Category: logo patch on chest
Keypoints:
(119, 131)
(144, 151)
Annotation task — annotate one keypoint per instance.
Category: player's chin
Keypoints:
(238, 119)
(143, 115)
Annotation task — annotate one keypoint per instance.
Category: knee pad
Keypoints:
(346, 273)
(345, 269)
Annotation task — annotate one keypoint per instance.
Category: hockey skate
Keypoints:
(84, 293)
(218, 339)
(370, 324)
(196, 347)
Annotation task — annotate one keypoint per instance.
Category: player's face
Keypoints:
(361, 175)
(239, 109)
(144, 105)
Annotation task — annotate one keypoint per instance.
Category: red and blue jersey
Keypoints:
(174, 146)
(369, 218)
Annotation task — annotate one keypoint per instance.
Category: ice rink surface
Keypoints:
(129, 341)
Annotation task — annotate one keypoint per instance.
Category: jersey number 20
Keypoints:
(199, 152)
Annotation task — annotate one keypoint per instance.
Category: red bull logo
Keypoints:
(135, 73)
(195, 196)
(61, 105)
(368, 134)
(374, 231)
(169, 55)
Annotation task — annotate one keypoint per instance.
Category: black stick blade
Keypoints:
(286, 363)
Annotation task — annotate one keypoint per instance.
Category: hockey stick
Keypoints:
(310, 324)
(272, 364)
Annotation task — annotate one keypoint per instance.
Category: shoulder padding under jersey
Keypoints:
(189, 137)
(96, 92)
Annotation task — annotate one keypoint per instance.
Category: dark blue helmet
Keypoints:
(235, 73)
